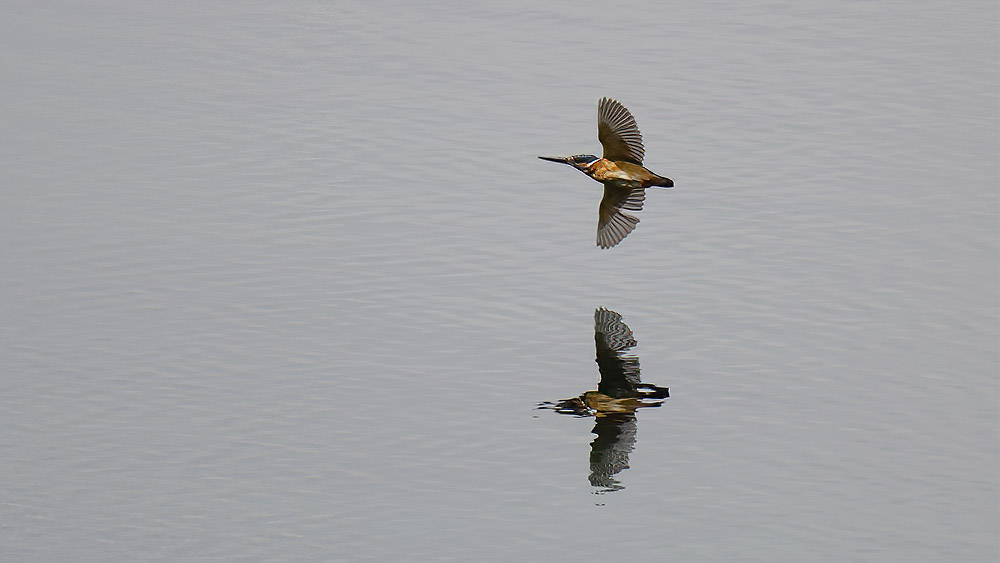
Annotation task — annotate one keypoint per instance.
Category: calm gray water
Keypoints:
(285, 281)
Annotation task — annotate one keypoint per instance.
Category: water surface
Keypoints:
(287, 281)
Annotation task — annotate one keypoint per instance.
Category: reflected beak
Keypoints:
(562, 159)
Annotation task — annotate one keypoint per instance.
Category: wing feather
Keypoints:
(618, 132)
(619, 371)
(613, 224)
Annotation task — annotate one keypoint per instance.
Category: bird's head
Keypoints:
(579, 161)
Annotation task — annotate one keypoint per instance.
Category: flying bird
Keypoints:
(621, 171)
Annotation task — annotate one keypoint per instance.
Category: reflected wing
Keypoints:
(618, 133)
(610, 449)
(613, 225)
(619, 373)
(615, 334)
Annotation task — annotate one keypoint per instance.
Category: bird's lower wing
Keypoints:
(613, 224)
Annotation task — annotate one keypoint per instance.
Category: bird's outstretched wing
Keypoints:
(619, 372)
(612, 332)
(613, 224)
(618, 133)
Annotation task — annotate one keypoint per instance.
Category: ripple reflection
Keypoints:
(620, 393)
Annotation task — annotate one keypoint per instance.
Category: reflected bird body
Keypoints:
(621, 171)
(620, 393)
(620, 390)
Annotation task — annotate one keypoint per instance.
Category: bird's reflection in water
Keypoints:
(619, 394)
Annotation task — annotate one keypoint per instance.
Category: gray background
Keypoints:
(286, 280)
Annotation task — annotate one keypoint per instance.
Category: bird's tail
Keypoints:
(663, 182)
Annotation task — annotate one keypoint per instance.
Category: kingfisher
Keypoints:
(621, 171)
(621, 390)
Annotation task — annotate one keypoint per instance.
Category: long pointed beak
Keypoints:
(562, 159)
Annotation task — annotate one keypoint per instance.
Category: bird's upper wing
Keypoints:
(613, 224)
(612, 331)
(619, 372)
(618, 133)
